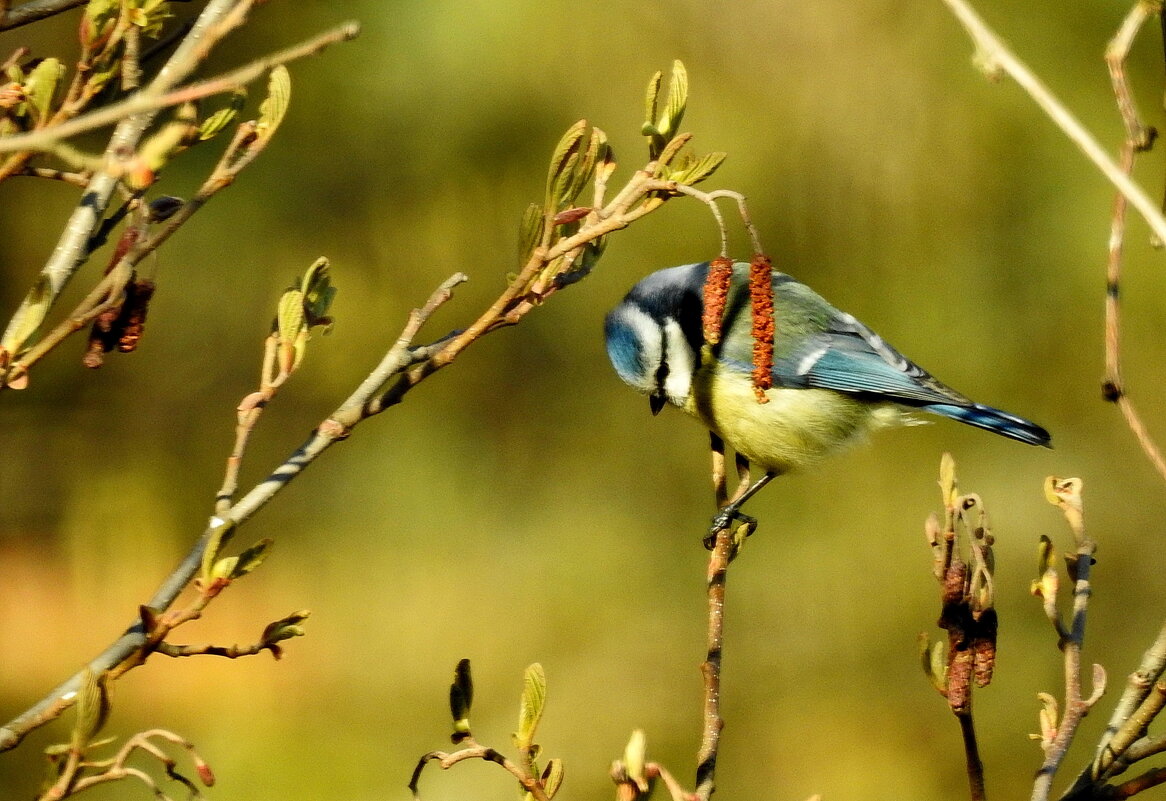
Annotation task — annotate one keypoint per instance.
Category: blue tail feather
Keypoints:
(995, 420)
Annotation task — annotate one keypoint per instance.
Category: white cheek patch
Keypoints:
(650, 342)
(681, 363)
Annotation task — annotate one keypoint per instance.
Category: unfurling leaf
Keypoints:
(41, 86)
(699, 169)
(561, 174)
(530, 232)
(221, 532)
(634, 757)
(947, 483)
(651, 98)
(216, 122)
(318, 293)
(934, 663)
(461, 698)
(32, 313)
(272, 110)
(92, 709)
(552, 777)
(224, 568)
(251, 558)
(677, 100)
(672, 149)
(289, 319)
(605, 159)
(662, 129)
(283, 629)
(534, 696)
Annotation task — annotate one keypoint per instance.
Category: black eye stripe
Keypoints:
(662, 372)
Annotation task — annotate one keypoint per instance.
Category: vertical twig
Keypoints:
(706, 766)
(1139, 137)
(1066, 494)
(994, 58)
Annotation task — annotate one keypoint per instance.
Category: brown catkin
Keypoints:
(138, 295)
(761, 296)
(716, 293)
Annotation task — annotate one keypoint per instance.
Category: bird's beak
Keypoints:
(656, 401)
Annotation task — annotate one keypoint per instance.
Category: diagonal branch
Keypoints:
(399, 357)
(35, 10)
(994, 57)
(153, 99)
(72, 248)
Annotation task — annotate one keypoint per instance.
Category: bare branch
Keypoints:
(994, 57)
(35, 10)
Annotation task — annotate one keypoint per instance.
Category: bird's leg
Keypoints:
(720, 485)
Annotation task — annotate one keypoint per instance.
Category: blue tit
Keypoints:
(834, 379)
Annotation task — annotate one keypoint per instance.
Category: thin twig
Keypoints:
(446, 761)
(994, 57)
(72, 248)
(151, 99)
(706, 760)
(1139, 137)
(35, 10)
(1138, 686)
(1068, 497)
(400, 356)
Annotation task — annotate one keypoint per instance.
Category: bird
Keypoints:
(833, 378)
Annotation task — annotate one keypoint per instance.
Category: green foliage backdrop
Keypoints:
(524, 505)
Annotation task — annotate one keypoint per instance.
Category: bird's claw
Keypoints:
(723, 520)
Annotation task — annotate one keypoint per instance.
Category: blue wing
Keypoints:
(851, 358)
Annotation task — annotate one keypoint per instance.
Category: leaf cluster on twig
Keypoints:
(37, 115)
(74, 768)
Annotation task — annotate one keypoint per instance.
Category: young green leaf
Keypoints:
(273, 109)
(218, 537)
(32, 313)
(677, 100)
(530, 232)
(251, 558)
(534, 696)
(42, 85)
(552, 777)
(92, 709)
(213, 125)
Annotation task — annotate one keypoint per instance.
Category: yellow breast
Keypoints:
(795, 428)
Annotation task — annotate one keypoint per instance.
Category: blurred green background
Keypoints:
(523, 505)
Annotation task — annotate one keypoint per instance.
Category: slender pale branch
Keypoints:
(35, 10)
(1067, 493)
(706, 760)
(402, 354)
(153, 100)
(446, 761)
(995, 57)
(72, 248)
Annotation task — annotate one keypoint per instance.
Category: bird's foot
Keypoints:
(725, 518)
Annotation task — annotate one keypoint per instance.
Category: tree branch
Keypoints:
(994, 57)
(35, 10)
